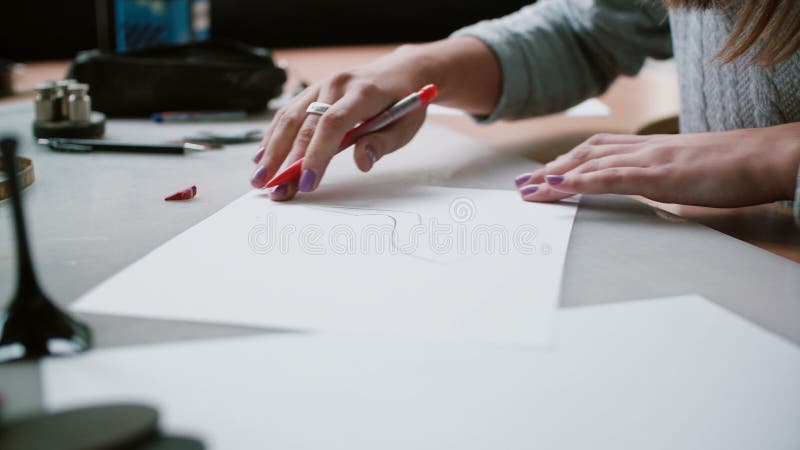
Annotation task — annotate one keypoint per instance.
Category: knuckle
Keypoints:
(289, 120)
(588, 166)
(662, 154)
(612, 177)
(304, 135)
(341, 78)
(367, 89)
(668, 150)
(660, 172)
(581, 154)
(334, 119)
(273, 123)
(599, 139)
(276, 117)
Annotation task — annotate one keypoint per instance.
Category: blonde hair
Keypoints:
(774, 24)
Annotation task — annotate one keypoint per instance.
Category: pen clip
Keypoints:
(71, 148)
(57, 145)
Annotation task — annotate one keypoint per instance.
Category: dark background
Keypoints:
(37, 29)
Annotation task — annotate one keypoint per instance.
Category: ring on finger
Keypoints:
(318, 108)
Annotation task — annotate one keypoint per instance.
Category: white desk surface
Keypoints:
(92, 215)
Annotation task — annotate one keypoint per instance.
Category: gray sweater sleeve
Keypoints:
(556, 53)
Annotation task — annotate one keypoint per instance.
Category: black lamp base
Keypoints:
(32, 326)
(30, 330)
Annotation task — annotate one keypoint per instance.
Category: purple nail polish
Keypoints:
(281, 190)
(554, 179)
(371, 153)
(528, 190)
(258, 155)
(522, 179)
(307, 179)
(259, 178)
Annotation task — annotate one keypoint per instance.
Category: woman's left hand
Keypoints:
(721, 169)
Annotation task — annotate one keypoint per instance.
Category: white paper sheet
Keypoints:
(439, 110)
(676, 374)
(589, 108)
(388, 259)
(592, 107)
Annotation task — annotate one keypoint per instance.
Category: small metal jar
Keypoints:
(79, 103)
(44, 104)
(61, 98)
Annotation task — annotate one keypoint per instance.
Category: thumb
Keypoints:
(370, 148)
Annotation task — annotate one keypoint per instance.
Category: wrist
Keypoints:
(785, 160)
(464, 69)
(419, 62)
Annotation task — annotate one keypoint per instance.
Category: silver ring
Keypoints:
(318, 108)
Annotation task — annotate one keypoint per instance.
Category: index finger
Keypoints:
(351, 109)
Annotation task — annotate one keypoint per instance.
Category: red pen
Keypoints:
(418, 99)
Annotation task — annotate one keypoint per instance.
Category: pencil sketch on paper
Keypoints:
(399, 221)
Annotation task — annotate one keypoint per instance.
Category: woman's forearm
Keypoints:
(464, 68)
(781, 150)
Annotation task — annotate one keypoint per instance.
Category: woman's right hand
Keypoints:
(360, 93)
(355, 95)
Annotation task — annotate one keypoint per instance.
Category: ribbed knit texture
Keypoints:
(716, 96)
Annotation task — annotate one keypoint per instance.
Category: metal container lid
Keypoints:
(44, 88)
(78, 88)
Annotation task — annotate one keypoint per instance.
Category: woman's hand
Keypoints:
(456, 66)
(720, 169)
(354, 95)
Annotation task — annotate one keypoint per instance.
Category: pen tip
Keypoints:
(428, 93)
(197, 147)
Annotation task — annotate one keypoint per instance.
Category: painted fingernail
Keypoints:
(528, 190)
(554, 179)
(258, 155)
(281, 190)
(371, 153)
(307, 179)
(259, 177)
(522, 179)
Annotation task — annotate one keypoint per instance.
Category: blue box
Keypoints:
(147, 23)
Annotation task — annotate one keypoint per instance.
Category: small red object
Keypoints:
(185, 194)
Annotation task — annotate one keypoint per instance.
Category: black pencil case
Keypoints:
(209, 75)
